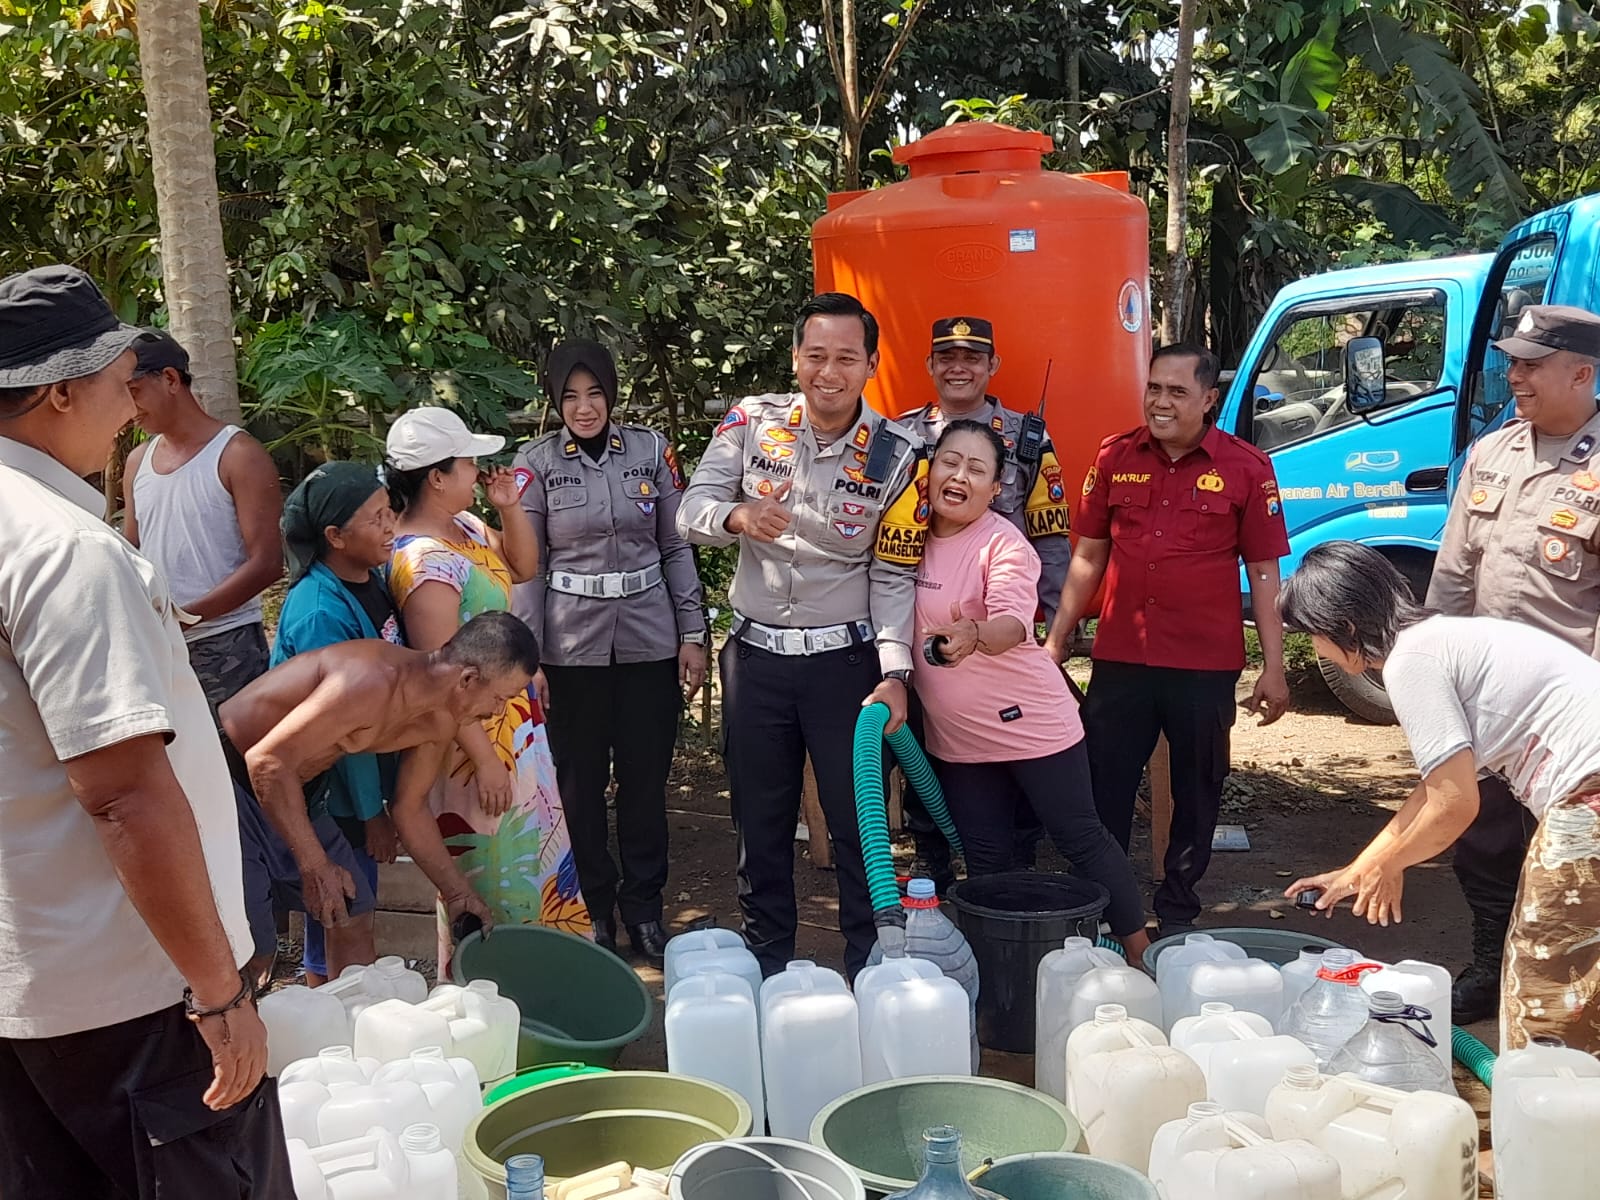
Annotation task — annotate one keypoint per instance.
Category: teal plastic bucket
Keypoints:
(1062, 1176)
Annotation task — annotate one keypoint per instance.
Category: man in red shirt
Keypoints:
(1168, 511)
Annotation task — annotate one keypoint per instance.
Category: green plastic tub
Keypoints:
(579, 1003)
(1277, 946)
(645, 1118)
(1064, 1177)
(878, 1129)
(523, 1080)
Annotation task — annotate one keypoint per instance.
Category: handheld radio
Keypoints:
(1030, 435)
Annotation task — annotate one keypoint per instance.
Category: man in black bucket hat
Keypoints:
(131, 1055)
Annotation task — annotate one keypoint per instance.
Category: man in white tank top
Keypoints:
(201, 501)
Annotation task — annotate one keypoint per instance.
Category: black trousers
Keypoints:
(115, 1114)
(1488, 858)
(1129, 706)
(775, 709)
(984, 799)
(622, 717)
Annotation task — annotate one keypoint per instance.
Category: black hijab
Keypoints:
(330, 495)
(567, 356)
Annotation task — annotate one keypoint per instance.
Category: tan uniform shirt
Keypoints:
(1523, 538)
(616, 514)
(840, 560)
(1032, 497)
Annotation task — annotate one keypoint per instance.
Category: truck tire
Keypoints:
(1363, 694)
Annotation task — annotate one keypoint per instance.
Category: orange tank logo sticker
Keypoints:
(1210, 482)
(1555, 549)
(1479, 495)
(863, 435)
(1564, 518)
(1586, 481)
(1091, 480)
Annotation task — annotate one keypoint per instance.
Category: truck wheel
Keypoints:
(1363, 694)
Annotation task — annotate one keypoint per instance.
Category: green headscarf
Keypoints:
(330, 495)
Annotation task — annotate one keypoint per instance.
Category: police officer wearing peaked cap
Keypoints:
(819, 493)
(1523, 543)
(617, 607)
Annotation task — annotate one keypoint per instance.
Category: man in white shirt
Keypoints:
(120, 872)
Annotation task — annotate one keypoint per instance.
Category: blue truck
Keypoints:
(1367, 387)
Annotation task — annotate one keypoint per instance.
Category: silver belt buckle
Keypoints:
(611, 587)
(792, 641)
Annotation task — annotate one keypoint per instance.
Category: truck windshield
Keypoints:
(1298, 389)
(1523, 279)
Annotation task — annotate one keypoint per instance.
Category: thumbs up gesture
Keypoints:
(765, 519)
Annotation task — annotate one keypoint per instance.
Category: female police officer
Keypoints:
(617, 609)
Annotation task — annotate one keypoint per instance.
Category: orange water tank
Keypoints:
(1060, 263)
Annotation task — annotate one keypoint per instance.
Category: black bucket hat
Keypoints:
(56, 325)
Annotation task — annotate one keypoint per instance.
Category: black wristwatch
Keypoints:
(902, 675)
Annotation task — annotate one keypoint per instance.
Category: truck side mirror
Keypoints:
(1364, 374)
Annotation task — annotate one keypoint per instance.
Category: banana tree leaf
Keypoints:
(1313, 75)
(1282, 142)
(1408, 217)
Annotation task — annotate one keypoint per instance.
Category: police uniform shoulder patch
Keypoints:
(1047, 511)
(733, 418)
(1091, 480)
(674, 471)
(903, 532)
(1270, 498)
(523, 477)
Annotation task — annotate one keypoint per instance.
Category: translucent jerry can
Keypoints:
(1545, 1118)
(1248, 984)
(300, 1022)
(696, 939)
(810, 1045)
(389, 978)
(1174, 966)
(1231, 1157)
(451, 1085)
(353, 1108)
(377, 1165)
(915, 1020)
(391, 1029)
(484, 1025)
(1054, 984)
(712, 1034)
(728, 960)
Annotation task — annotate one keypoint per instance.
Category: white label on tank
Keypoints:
(1023, 241)
(1130, 306)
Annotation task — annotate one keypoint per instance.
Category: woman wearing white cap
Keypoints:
(497, 802)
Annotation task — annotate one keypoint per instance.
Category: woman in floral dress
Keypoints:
(497, 803)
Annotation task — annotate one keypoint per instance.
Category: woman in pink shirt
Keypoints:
(999, 718)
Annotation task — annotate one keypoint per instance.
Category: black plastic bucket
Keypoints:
(1011, 921)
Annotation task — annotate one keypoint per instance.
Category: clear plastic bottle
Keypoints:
(942, 1176)
(525, 1177)
(933, 936)
(1300, 974)
(1332, 1009)
(1394, 1048)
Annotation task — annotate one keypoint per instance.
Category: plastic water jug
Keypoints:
(378, 1165)
(696, 939)
(1201, 1128)
(1544, 1116)
(810, 1045)
(300, 1022)
(1300, 974)
(1217, 1021)
(1059, 973)
(1248, 984)
(352, 1109)
(1426, 986)
(942, 1175)
(1390, 1144)
(1175, 964)
(484, 1025)
(1121, 984)
(1332, 1009)
(391, 1029)
(933, 936)
(712, 1034)
(1394, 1048)
(914, 1021)
(387, 979)
(335, 1064)
(1232, 1159)
(300, 1101)
(451, 1086)
(1240, 1056)
(525, 1177)
(725, 960)
(1124, 1082)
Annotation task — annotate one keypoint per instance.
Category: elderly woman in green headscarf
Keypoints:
(338, 531)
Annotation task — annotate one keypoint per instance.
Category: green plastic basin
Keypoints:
(645, 1118)
(878, 1129)
(523, 1080)
(1055, 1176)
(579, 1003)
(1271, 945)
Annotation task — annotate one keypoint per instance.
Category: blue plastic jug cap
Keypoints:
(921, 889)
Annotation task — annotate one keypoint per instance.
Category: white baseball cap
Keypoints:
(425, 436)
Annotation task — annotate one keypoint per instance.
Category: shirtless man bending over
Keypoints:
(290, 725)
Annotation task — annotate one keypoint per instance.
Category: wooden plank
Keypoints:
(1160, 808)
(816, 823)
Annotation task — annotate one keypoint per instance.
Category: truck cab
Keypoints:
(1367, 387)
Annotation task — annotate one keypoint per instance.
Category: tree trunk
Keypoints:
(1176, 289)
(194, 266)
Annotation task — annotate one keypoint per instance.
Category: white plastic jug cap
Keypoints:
(799, 964)
(1215, 1008)
(1077, 943)
(421, 1139)
(1110, 1014)
(390, 964)
(1201, 1109)
(484, 987)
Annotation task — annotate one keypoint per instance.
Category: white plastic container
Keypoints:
(914, 1021)
(451, 1086)
(1215, 1023)
(712, 1034)
(300, 1022)
(1427, 986)
(1121, 984)
(1201, 1128)
(353, 1109)
(484, 1025)
(1057, 977)
(1545, 1122)
(336, 1064)
(726, 960)
(1395, 1145)
(695, 939)
(1124, 1082)
(1300, 974)
(810, 1045)
(1333, 1009)
(1234, 1161)
(378, 1165)
(1175, 964)
(391, 1029)
(300, 1101)
(1248, 984)
(387, 979)
(1241, 1075)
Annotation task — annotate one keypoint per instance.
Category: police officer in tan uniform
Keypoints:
(827, 502)
(1523, 543)
(617, 607)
